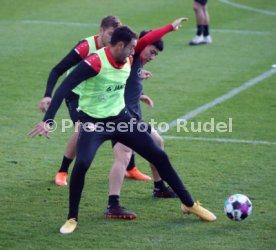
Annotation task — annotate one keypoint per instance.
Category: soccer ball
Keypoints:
(237, 207)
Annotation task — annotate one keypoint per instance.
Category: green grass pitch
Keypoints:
(35, 35)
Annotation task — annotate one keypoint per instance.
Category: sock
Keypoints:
(131, 164)
(113, 200)
(170, 176)
(206, 30)
(65, 164)
(199, 30)
(160, 185)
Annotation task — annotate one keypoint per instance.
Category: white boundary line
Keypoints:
(79, 24)
(191, 138)
(221, 99)
(59, 23)
(244, 7)
(242, 32)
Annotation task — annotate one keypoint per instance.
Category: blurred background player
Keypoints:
(202, 20)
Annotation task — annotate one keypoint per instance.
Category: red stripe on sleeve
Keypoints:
(94, 62)
(82, 49)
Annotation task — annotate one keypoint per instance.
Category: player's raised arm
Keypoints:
(157, 34)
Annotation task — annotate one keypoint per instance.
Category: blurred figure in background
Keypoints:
(202, 20)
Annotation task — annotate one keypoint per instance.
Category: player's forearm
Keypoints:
(65, 64)
(52, 80)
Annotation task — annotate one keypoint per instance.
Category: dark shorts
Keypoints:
(72, 103)
(143, 125)
(202, 2)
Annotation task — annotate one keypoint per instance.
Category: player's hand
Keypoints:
(177, 23)
(147, 100)
(44, 104)
(146, 74)
(41, 128)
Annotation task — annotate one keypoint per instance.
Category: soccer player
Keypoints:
(148, 47)
(102, 114)
(76, 55)
(202, 20)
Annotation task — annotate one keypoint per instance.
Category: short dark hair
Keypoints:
(159, 44)
(123, 34)
(110, 21)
